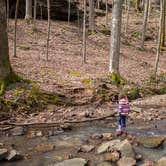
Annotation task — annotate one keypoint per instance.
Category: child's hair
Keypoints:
(122, 96)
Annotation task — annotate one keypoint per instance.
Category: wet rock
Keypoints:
(161, 162)
(104, 164)
(17, 131)
(31, 134)
(104, 147)
(126, 149)
(43, 148)
(3, 153)
(126, 161)
(97, 136)
(14, 155)
(138, 157)
(114, 156)
(87, 148)
(66, 127)
(151, 142)
(72, 162)
(107, 136)
(148, 163)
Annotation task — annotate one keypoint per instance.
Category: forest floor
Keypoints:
(65, 73)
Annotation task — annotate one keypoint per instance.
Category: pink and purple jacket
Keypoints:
(124, 107)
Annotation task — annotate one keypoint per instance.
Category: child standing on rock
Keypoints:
(123, 111)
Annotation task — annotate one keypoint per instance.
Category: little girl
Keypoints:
(123, 111)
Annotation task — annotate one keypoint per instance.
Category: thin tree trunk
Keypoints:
(159, 41)
(69, 11)
(127, 17)
(78, 21)
(41, 12)
(49, 24)
(28, 10)
(7, 13)
(15, 29)
(115, 36)
(34, 12)
(91, 16)
(144, 23)
(106, 13)
(98, 4)
(84, 34)
(163, 24)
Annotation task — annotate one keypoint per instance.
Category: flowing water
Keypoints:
(67, 141)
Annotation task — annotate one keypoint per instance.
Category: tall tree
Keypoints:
(163, 23)
(69, 10)
(84, 34)
(15, 29)
(7, 13)
(49, 24)
(91, 15)
(5, 66)
(144, 23)
(115, 36)
(159, 40)
(106, 12)
(34, 13)
(127, 17)
(28, 9)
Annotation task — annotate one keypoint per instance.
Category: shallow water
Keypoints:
(65, 142)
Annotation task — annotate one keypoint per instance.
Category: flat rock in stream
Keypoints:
(151, 142)
(72, 162)
(161, 162)
(14, 155)
(86, 148)
(126, 161)
(3, 153)
(104, 147)
(17, 131)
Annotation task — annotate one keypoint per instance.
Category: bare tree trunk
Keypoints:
(41, 12)
(163, 24)
(15, 29)
(106, 13)
(69, 11)
(144, 23)
(34, 12)
(115, 36)
(49, 24)
(127, 17)
(98, 4)
(28, 10)
(84, 34)
(78, 21)
(159, 41)
(7, 13)
(5, 67)
(91, 16)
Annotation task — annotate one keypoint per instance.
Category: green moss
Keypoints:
(24, 47)
(105, 31)
(74, 74)
(87, 81)
(116, 79)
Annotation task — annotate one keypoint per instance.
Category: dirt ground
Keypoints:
(65, 59)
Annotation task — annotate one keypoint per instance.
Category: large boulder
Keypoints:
(72, 162)
(151, 142)
(126, 149)
(161, 162)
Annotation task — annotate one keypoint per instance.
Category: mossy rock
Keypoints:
(116, 79)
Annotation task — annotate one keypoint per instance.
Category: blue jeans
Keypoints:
(122, 120)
